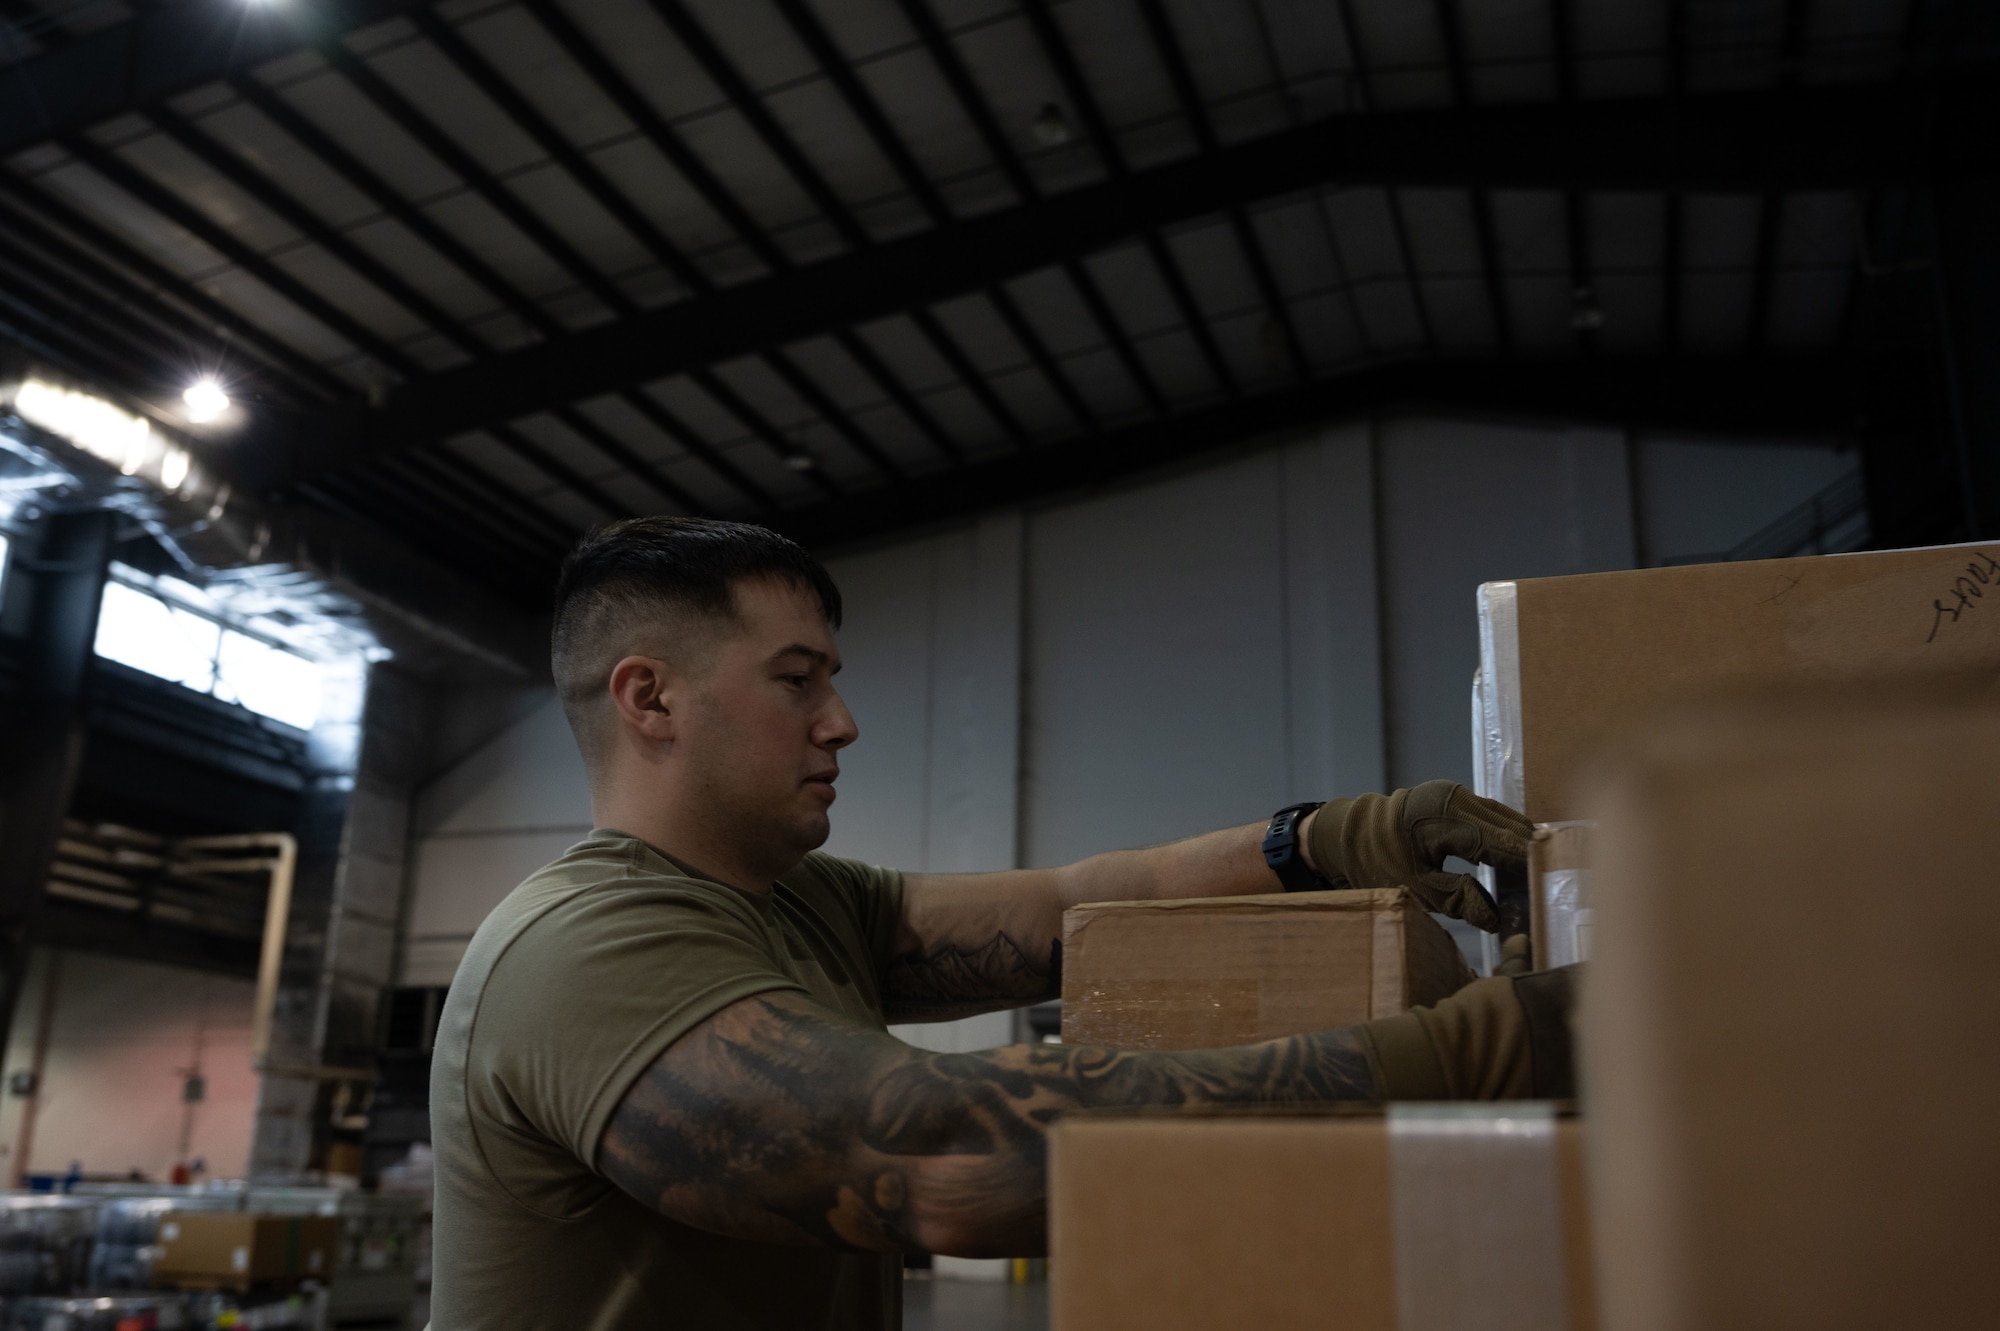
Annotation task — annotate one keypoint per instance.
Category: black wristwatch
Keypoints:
(1281, 850)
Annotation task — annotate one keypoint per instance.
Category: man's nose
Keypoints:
(837, 729)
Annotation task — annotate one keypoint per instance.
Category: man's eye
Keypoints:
(798, 681)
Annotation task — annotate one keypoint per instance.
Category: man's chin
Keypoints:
(812, 831)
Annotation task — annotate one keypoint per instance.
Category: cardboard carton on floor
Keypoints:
(1563, 659)
(231, 1250)
(1434, 1216)
(1792, 1021)
(1216, 971)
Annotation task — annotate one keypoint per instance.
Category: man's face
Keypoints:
(761, 736)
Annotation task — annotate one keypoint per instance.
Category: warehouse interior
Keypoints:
(1161, 381)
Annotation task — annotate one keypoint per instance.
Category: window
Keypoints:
(147, 631)
(3, 559)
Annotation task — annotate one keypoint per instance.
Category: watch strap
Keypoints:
(1282, 852)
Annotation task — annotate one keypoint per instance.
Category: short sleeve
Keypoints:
(873, 894)
(591, 993)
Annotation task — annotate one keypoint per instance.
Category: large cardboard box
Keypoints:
(1435, 1216)
(1215, 971)
(1792, 1017)
(231, 1250)
(1562, 659)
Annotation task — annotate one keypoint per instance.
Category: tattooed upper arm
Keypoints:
(782, 1121)
(970, 943)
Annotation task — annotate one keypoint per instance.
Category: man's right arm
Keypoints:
(781, 1121)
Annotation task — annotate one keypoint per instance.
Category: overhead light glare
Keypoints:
(173, 469)
(205, 401)
(92, 424)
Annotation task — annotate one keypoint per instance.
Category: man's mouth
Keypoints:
(824, 779)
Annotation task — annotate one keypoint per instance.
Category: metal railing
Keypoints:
(1833, 521)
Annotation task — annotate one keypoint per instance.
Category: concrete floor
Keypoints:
(974, 1305)
(928, 1305)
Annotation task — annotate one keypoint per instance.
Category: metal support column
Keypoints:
(53, 592)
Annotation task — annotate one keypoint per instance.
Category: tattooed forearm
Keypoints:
(951, 980)
(779, 1121)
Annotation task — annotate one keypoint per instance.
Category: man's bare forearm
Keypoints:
(1221, 864)
(781, 1122)
(973, 943)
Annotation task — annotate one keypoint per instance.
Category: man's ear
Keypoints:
(647, 694)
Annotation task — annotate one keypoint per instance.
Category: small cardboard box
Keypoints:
(1563, 659)
(1792, 1019)
(1209, 972)
(1434, 1216)
(1559, 894)
(230, 1250)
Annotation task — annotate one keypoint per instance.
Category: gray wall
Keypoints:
(1166, 657)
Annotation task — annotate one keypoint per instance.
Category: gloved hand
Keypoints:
(1401, 840)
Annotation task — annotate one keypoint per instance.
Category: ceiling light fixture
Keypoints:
(92, 424)
(205, 400)
(1050, 127)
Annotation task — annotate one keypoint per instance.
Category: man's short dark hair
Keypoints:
(632, 580)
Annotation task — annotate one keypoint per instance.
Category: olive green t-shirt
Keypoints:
(569, 990)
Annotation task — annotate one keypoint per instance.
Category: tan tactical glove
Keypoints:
(1401, 840)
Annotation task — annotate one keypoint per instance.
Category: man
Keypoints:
(663, 1092)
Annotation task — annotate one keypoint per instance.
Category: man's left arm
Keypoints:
(971, 943)
(981, 942)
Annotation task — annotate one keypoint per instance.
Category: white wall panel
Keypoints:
(484, 824)
(931, 669)
(1156, 663)
(1464, 503)
(1333, 641)
(529, 775)
(123, 1038)
(1701, 497)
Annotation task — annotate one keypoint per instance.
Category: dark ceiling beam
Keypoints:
(875, 123)
(1729, 394)
(972, 103)
(481, 489)
(1451, 25)
(527, 118)
(1585, 312)
(1364, 93)
(230, 329)
(295, 214)
(703, 180)
(1167, 44)
(171, 206)
(697, 446)
(165, 48)
(1056, 48)
(716, 63)
(135, 309)
(1809, 138)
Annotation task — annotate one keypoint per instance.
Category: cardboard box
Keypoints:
(1217, 971)
(1559, 894)
(1435, 1216)
(1563, 658)
(1792, 1021)
(231, 1250)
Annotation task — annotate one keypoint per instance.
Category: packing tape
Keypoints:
(1478, 1218)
